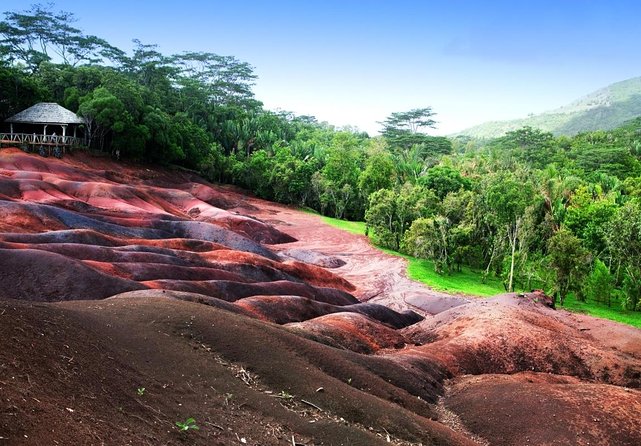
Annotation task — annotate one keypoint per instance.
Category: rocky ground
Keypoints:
(132, 298)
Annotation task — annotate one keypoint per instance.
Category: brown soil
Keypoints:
(267, 327)
(544, 409)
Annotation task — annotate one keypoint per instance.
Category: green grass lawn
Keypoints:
(466, 281)
(355, 227)
(469, 282)
(614, 312)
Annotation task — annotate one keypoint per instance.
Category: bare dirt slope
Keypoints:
(132, 298)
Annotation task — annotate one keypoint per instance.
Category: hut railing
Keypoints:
(40, 140)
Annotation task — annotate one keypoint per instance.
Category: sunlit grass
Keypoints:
(355, 227)
(614, 312)
(465, 281)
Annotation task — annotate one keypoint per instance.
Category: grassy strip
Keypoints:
(465, 282)
(470, 282)
(355, 227)
(614, 312)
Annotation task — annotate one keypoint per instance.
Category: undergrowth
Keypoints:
(613, 312)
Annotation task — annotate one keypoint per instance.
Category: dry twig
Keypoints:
(311, 404)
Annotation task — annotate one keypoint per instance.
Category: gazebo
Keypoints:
(38, 125)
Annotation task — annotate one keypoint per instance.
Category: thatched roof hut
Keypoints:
(29, 127)
(46, 113)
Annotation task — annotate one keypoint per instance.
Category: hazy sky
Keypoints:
(355, 62)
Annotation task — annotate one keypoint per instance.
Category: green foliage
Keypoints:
(623, 237)
(381, 217)
(404, 128)
(336, 184)
(379, 173)
(105, 116)
(18, 91)
(568, 259)
(187, 425)
(600, 152)
(443, 180)
(391, 212)
(465, 281)
(470, 282)
(532, 147)
(430, 238)
(224, 79)
(632, 289)
(600, 284)
(505, 198)
(588, 217)
(39, 35)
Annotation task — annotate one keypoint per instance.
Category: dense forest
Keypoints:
(539, 211)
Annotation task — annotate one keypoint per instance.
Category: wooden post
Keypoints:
(64, 138)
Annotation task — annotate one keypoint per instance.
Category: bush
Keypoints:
(600, 284)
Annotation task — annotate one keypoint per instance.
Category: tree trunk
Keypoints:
(513, 236)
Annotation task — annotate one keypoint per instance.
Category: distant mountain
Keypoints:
(603, 109)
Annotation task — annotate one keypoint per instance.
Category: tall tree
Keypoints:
(39, 35)
(404, 124)
(623, 238)
(443, 180)
(504, 202)
(569, 260)
(226, 80)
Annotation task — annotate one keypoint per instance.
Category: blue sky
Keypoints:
(354, 62)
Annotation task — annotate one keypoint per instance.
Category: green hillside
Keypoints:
(603, 109)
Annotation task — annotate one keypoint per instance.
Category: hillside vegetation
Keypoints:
(604, 109)
(529, 209)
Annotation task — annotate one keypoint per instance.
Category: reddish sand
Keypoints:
(166, 282)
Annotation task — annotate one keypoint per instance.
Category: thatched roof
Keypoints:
(46, 113)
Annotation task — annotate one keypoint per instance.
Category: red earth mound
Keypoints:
(231, 291)
(544, 409)
(351, 331)
(43, 276)
(112, 221)
(508, 334)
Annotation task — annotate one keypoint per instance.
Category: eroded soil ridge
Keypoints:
(134, 297)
